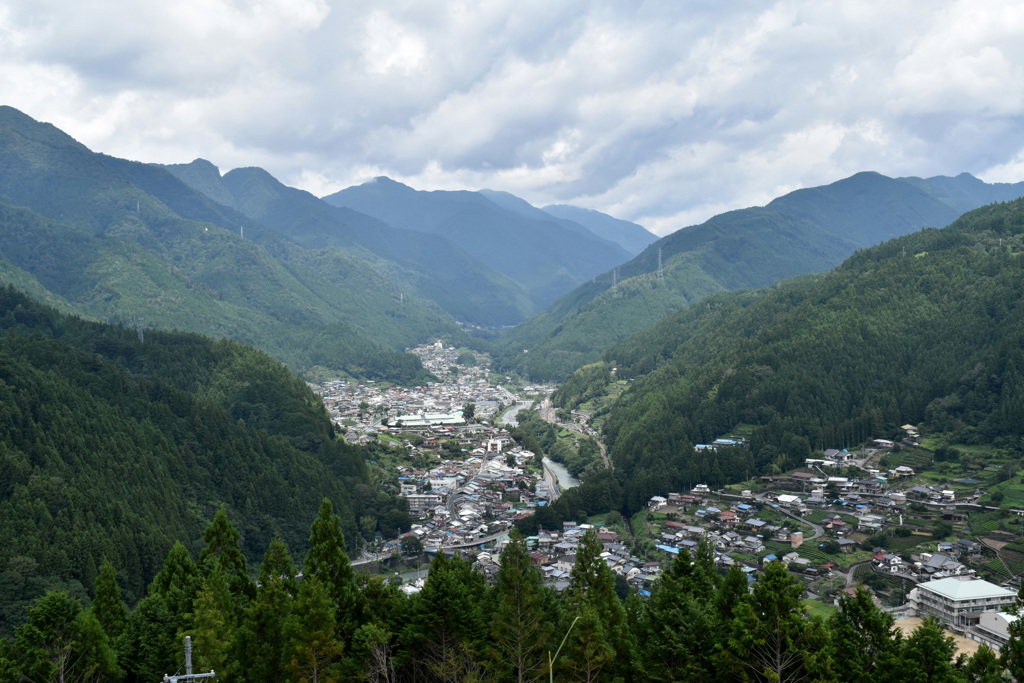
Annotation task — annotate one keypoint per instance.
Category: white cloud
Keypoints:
(664, 113)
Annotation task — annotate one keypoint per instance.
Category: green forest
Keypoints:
(115, 447)
(698, 624)
(925, 329)
(807, 231)
(118, 241)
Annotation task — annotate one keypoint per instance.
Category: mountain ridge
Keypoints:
(809, 230)
(541, 253)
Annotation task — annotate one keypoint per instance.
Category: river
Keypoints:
(565, 480)
(509, 417)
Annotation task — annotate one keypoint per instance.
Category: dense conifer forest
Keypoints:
(332, 625)
(925, 329)
(117, 448)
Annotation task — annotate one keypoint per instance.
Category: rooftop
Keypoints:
(957, 589)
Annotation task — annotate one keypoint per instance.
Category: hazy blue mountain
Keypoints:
(105, 236)
(806, 231)
(630, 236)
(539, 251)
(509, 201)
(428, 266)
(965, 192)
(204, 176)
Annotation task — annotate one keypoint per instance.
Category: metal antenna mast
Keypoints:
(189, 677)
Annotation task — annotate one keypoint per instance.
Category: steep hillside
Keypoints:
(805, 231)
(926, 329)
(547, 255)
(428, 266)
(106, 236)
(114, 447)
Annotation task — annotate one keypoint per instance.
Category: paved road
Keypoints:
(552, 480)
(818, 531)
(547, 413)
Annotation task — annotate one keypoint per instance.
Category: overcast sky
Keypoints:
(665, 113)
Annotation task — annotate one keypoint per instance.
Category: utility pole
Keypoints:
(189, 677)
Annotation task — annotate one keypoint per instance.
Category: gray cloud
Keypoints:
(660, 112)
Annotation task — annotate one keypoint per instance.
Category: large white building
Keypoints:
(958, 602)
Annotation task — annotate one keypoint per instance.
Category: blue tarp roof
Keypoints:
(668, 549)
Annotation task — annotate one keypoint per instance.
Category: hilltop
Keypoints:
(806, 231)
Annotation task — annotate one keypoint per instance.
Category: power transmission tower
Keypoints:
(138, 328)
(661, 273)
(615, 281)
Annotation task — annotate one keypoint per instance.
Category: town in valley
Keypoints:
(850, 518)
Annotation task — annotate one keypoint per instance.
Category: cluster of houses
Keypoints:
(944, 563)
(363, 409)
(472, 501)
(554, 552)
(730, 530)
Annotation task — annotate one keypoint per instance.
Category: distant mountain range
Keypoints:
(806, 231)
(123, 241)
(546, 254)
(630, 236)
(243, 256)
(344, 283)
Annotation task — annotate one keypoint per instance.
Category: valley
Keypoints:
(815, 404)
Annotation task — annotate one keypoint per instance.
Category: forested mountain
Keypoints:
(423, 266)
(118, 239)
(926, 329)
(114, 447)
(806, 231)
(630, 236)
(965, 192)
(547, 255)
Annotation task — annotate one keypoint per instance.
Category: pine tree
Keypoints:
(311, 635)
(446, 625)
(983, 666)
(864, 638)
(222, 543)
(520, 628)
(771, 638)
(602, 625)
(213, 624)
(61, 642)
(328, 563)
(108, 607)
(928, 656)
(678, 630)
(261, 641)
(177, 582)
(150, 646)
